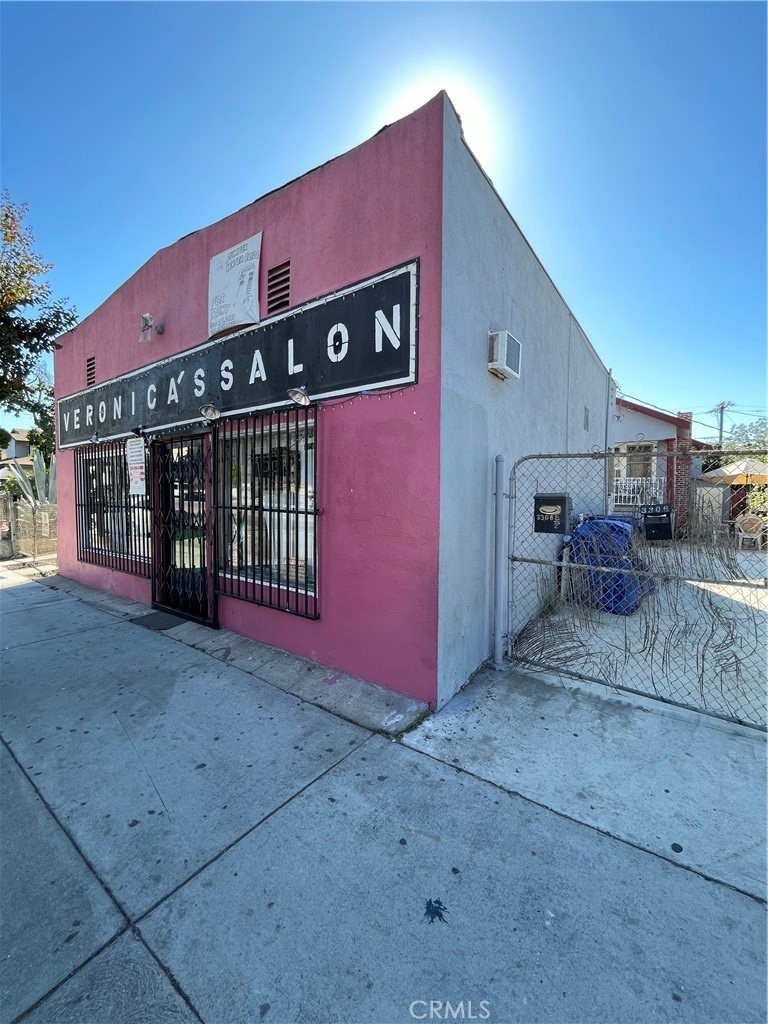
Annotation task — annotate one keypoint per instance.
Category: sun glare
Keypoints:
(471, 105)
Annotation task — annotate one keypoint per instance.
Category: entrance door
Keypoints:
(183, 541)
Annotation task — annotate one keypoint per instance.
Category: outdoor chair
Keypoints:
(751, 528)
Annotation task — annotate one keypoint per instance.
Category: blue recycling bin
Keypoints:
(600, 544)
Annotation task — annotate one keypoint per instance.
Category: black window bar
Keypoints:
(266, 512)
(114, 527)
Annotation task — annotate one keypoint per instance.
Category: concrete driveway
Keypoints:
(183, 840)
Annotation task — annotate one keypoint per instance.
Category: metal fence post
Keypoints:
(498, 576)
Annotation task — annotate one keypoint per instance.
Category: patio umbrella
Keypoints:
(738, 474)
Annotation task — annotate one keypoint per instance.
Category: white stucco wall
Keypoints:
(637, 426)
(492, 280)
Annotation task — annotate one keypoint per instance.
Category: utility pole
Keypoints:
(720, 409)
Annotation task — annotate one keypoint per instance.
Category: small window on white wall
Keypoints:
(586, 417)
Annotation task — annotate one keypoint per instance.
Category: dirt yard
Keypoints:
(699, 639)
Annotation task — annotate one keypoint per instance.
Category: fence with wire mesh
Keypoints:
(657, 587)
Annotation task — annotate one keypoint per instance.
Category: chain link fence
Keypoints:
(643, 574)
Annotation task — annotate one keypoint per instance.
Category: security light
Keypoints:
(148, 325)
(209, 413)
(299, 395)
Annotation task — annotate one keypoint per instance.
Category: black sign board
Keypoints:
(357, 339)
(551, 513)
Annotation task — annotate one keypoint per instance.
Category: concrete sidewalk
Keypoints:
(196, 827)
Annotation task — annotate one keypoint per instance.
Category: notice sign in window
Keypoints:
(137, 471)
(233, 287)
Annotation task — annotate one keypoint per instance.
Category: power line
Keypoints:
(716, 427)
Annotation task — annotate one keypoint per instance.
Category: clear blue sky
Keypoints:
(627, 140)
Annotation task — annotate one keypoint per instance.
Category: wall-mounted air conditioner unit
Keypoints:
(504, 354)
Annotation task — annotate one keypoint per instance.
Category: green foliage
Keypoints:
(757, 498)
(746, 437)
(43, 435)
(30, 319)
(10, 485)
(5, 438)
(42, 488)
(749, 436)
(549, 606)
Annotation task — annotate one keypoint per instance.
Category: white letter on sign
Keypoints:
(257, 368)
(293, 367)
(392, 330)
(337, 350)
(226, 374)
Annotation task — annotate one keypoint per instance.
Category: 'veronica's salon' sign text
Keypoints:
(357, 339)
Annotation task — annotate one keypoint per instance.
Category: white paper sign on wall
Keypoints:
(233, 286)
(137, 474)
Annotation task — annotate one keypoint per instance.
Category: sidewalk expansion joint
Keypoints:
(203, 867)
(60, 636)
(600, 831)
(75, 970)
(123, 913)
(254, 673)
(167, 972)
(128, 922)
(65, 829)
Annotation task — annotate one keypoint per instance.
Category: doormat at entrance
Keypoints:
(159, 620)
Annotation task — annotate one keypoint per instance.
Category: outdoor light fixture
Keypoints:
(94, 438)
(147, 326)
(299, 395)
(209, 413)
(138, 431)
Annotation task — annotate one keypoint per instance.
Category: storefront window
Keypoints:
(267, 542)
(113, 526)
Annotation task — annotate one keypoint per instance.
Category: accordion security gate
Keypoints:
(182, 578)
(655, 582)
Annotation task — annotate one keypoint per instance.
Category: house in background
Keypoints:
(644, 473)
(18, 449)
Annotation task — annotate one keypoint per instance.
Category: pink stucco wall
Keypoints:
(378, 472)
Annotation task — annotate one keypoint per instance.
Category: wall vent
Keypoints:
(278, 288)
(504, 355)
(90, 371)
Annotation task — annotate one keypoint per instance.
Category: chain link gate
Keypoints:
(630, 570)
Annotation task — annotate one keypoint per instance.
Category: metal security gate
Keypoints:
(182, 483)
(266, 514)
(629, 569)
